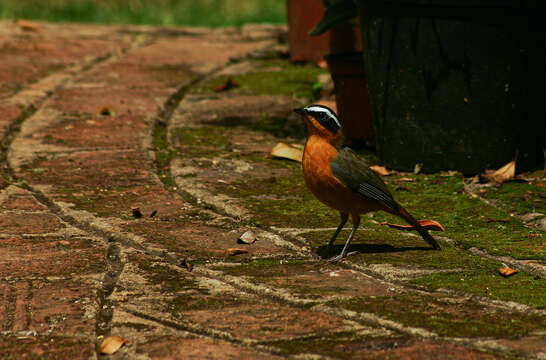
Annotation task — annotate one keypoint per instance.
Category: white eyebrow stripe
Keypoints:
(321, 109)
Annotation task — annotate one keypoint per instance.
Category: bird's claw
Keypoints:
(335, 259)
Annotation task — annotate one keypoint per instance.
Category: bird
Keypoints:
(342, 180)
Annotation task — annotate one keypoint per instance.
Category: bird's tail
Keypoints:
(424, 234)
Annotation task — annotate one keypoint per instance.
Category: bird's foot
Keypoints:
(335, 259)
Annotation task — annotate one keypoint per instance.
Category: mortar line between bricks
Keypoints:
(73, 72)
(114, 266)
(165, 114)
(123, 239)
(220, 335)
(377, 276)
(162, 120)
(10, 311)
(537, 270)
(489, 345)
(172, 259)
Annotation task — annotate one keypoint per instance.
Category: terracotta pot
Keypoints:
(303, 15)
(351, 89)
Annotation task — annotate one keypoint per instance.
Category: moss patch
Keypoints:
(273, 77)
(208, 141)
(168, 279)
(522, 288)
(377, 244)
(164, 154)
(180, 304)
(341, 345)
(520, 197)
(467, 220)
(468, 319)
(282, 201)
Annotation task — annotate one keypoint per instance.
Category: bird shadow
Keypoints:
(324, 252)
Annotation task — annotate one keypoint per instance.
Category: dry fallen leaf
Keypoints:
(28, 26)
(187, 265)
(136, 212)
(286, 151)
(406, 179)
(490, 220)
(322, 64)
(506, 271)
(247, 238)
(426, 224)
(381, 170)
(230, 83)
(106, 111)
(112, 344)
(505, 173)
(236, 251)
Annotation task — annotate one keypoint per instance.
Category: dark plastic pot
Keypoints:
(352, 101)
(456, 84)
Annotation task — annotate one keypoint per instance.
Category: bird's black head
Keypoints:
(325, 116)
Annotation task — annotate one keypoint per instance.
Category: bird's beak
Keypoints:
(300, 111)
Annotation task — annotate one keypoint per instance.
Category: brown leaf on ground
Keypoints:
(285, 151)
(381, 170)
(506, 271)
(106, 111)
(426, 224)
(28, 26)
(407, 179)
(322, 64)
(236, 251)
(505, 173)
(247, 238)
(137, 214)
(230, 83)
(187, 265)
(489, 220)
(112, 344)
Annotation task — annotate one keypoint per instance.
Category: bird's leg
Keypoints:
(356, 222)
(344, 218)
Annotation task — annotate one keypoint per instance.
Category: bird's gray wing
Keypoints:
(355, 173)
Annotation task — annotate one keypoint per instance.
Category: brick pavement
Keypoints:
(94, 122)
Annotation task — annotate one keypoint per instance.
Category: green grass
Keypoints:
(160, 12)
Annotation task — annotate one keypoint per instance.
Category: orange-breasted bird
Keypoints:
(341, 179)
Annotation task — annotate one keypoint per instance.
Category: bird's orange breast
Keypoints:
(319, 178)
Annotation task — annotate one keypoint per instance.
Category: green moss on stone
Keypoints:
(273, 77)
(468, 220)
(341, 345)
(167, 278)
(468, 319)
(283, 202)
(522, 287)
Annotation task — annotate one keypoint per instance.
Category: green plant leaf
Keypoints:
(336, 13)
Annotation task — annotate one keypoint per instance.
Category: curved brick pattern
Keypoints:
(124, 170)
